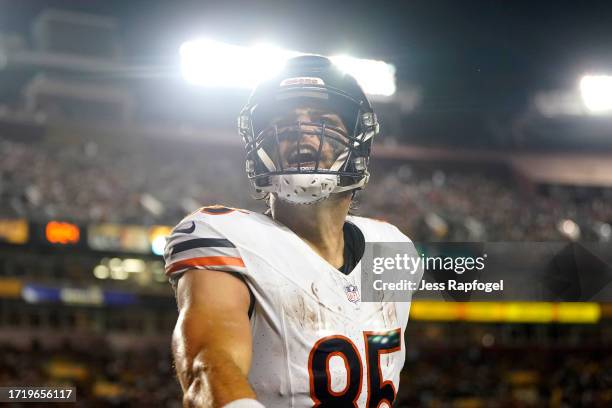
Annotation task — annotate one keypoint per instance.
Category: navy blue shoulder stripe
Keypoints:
(201, 243)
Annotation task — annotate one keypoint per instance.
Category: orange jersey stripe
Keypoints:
(205, 261)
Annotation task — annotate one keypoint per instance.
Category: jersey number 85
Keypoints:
(378, 391)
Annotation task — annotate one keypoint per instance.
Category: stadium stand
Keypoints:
(158, 182)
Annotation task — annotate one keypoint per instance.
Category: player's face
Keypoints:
(298, 124)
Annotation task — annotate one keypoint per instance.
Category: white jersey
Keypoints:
(314, 342)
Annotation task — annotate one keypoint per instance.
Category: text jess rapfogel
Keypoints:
(450, 284)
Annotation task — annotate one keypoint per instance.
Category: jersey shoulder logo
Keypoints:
(186, 230)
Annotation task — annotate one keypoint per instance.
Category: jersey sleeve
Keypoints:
(195, 244)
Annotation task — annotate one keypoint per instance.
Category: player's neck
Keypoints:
(319, 225)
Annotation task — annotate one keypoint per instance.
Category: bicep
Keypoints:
(213, 316)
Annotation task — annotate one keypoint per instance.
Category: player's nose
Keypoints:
(308, 131)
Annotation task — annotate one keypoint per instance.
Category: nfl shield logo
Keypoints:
(352, 293)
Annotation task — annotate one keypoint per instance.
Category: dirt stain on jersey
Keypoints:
(304, 312)
(308, 312)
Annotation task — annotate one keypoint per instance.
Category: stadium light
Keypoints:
(569, 229)
(158, 244)
(216, 64)
(101, 271)
(596, 93)
(376, 77)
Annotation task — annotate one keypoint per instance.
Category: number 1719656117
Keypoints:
(39, 394)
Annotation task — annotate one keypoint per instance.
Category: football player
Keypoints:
(270, 308)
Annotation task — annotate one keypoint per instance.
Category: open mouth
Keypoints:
(306, 156)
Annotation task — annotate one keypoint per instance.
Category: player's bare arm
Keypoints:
(212, 339)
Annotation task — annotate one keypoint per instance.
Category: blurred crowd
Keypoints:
(102, 376)
(478, 377)
(525, 377)
(485, 205)
(90, 182)
(153, 182)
